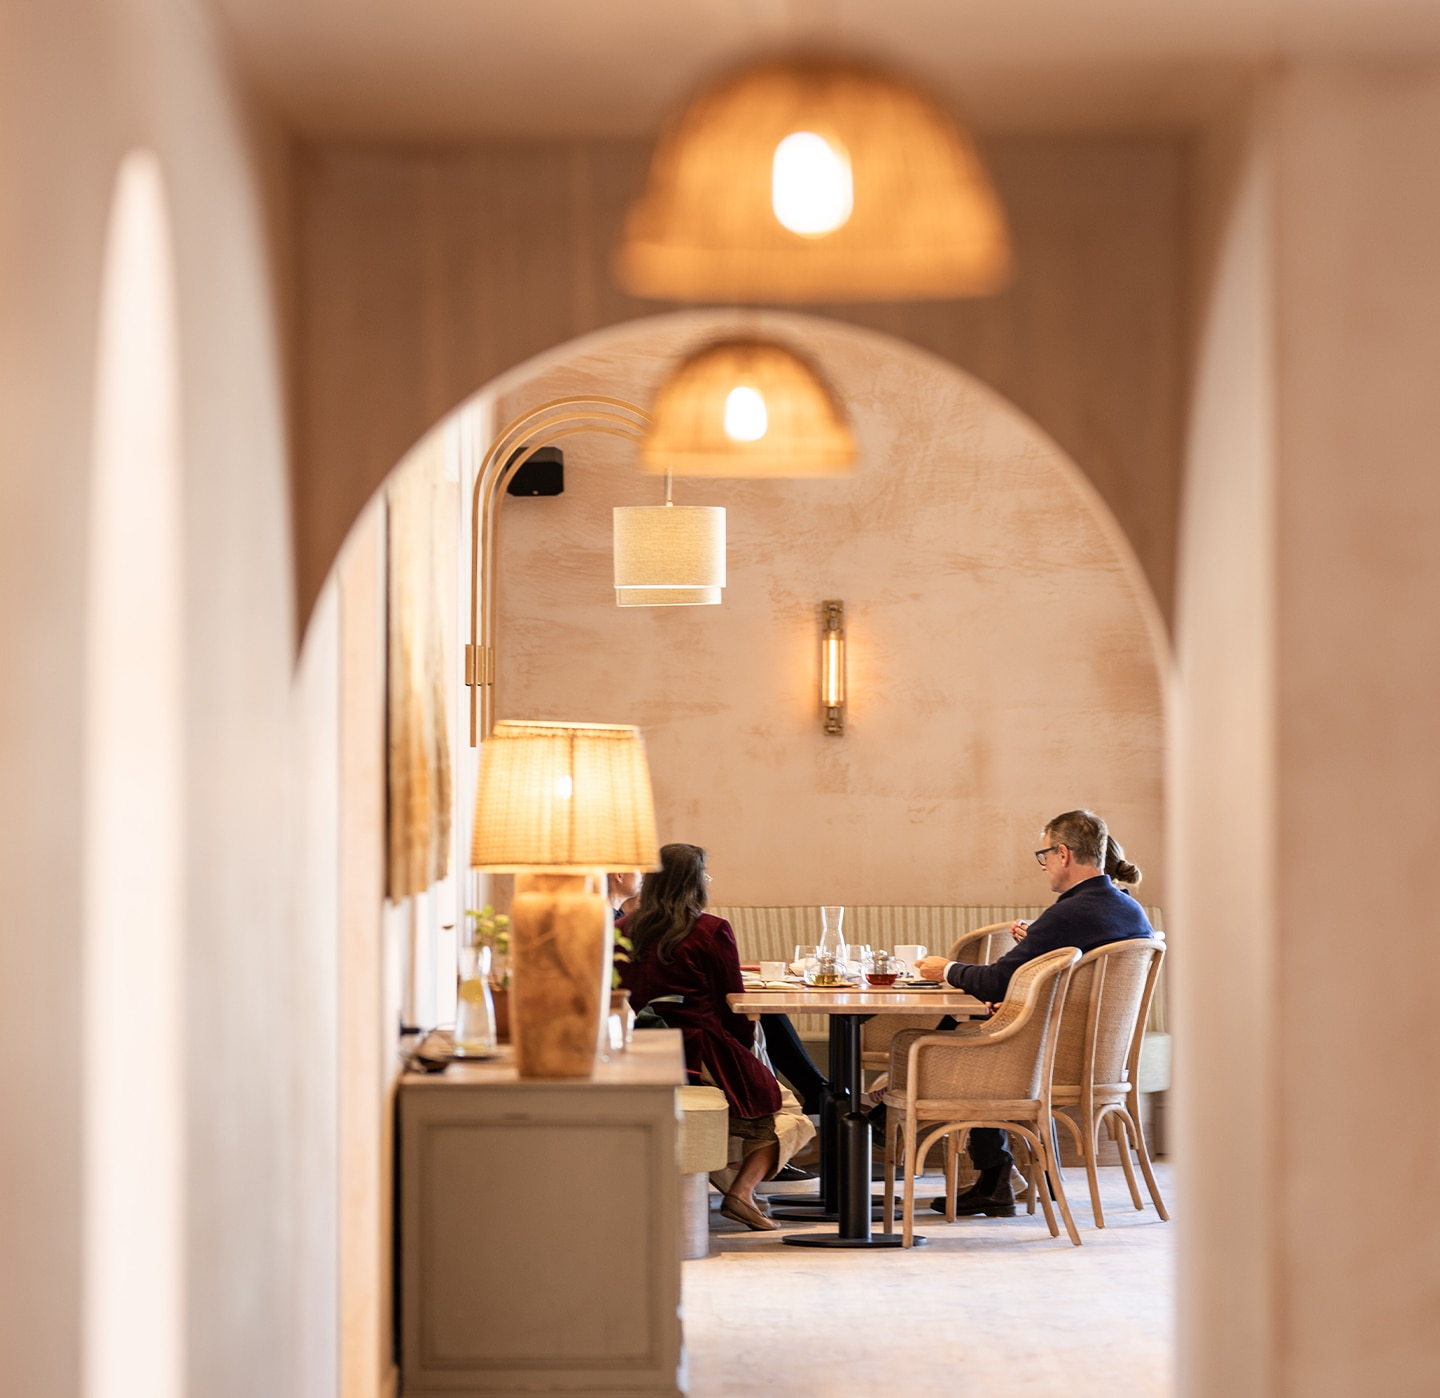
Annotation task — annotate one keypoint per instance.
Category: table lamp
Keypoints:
(559, 804)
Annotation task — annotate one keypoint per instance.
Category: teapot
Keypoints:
(884, 969)
(825, 968)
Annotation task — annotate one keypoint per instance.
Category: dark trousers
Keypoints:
(989, 1149)
(792, 1063)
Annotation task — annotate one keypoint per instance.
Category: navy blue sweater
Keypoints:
(1089, 915)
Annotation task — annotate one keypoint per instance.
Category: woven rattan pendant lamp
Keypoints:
(814, 179)
(747, 408)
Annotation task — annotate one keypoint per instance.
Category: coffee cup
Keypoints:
(911, 955)
(772, 970)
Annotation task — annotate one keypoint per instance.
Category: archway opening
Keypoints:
(1007, 661)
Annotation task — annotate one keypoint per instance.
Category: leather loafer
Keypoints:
(996, 1202)
(743, 1211)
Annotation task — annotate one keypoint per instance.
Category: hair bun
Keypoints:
(1125, 873)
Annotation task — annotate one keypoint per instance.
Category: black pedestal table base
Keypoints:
(844, 1154)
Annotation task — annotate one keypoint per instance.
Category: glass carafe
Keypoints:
(832, 939)
(474, 1009)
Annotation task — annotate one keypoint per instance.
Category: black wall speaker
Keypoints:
(543, 474)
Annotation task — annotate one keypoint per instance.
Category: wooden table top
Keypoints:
(798, 1000)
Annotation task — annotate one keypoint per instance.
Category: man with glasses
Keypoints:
(1089, 912)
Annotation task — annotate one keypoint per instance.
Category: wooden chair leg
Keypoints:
(1028, 1170)
(1119, 1129)
(888, 1222)
(1057, 1183)
(1143, 1151)
(952, 1174)
(1091, 1149)
(912, 1135)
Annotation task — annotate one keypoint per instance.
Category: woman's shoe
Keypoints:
(743, 1211)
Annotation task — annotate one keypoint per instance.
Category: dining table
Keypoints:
(845, 1180)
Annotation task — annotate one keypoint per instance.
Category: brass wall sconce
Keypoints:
(832, 666)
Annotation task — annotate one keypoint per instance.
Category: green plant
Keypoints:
(491, 929)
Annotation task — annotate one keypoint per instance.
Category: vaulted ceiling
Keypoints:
(455, 68)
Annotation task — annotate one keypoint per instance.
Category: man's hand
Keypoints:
(932, 968)
(1018, 930)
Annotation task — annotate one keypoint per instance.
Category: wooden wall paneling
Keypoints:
(427, 271)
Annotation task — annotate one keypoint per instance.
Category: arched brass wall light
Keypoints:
(667, 555)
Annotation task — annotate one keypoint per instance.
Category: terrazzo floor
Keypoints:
(989, 1307)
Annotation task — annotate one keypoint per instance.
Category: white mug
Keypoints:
(911, 955)
(772, 970)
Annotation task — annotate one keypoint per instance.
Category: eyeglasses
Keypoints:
(1049, 849)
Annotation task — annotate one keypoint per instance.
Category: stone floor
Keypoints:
(990, 1306)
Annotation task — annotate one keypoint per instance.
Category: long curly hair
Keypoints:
(670, 902)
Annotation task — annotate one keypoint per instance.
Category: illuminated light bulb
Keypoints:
(745, 417)
(564, 787)
(811, 188)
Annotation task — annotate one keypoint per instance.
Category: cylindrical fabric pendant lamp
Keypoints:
(674, 553)
(747, 408)
(814, 179)
(559, 804)
(667, 597)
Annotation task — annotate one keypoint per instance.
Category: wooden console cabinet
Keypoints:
(540, 1231)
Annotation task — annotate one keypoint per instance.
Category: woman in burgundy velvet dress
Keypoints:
(680, 950)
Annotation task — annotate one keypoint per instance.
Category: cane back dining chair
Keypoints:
(1097, 1058)
(980, 948)
(995, 1074)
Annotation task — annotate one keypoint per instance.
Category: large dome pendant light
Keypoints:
(747, 408)
(669, 555)
(814, 179)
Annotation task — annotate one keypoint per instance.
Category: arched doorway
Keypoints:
(1007, 660)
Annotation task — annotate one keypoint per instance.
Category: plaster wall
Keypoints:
(1002, 643)
(1222, 783)
(427, 271)
(1358, 671)
(82, 82)
(1307, 752)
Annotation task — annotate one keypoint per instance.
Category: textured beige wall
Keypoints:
(1358, 665)
(1002, 644)
(425, 272)
(1223, 875)
(1308, 755)
(81, 82)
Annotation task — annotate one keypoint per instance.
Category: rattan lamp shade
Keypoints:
(925, 220)
(559, 798)
(804, 431)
